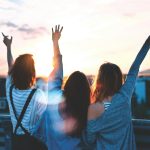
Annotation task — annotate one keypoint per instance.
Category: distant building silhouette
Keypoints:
(2, 87)
(3, 101)
(142, 87)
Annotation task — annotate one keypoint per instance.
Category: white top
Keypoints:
(34, 112)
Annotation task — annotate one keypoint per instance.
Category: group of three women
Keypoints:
(65, 119)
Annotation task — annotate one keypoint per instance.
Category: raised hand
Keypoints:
(57, 72)
(56, 34)
(146, 45)
(147, 42)
(6, 40)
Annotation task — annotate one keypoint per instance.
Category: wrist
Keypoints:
(55, 41)
(8, 46)
(55, 44)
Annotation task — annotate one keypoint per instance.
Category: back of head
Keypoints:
(108, 82)
(77, 95)
(23, 72)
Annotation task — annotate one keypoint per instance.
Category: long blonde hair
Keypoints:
(107, 83)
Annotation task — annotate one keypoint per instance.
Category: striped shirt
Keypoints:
(36, 107)
(106, 105)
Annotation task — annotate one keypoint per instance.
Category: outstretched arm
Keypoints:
(128, 87)
(56, 34)
(8, 42)
(56, 76)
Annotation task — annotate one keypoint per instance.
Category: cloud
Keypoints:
(26, 30)
(98, 29)
(29, 32)
(10, 24)
(6, 8)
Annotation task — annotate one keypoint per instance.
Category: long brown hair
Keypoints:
(108, 82)
(77, 96)
(23, 72)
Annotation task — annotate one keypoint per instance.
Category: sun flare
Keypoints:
(43, 55)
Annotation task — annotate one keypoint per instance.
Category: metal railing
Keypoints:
(141, 130)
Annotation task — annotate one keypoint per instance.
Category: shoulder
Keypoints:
(62, 105)
(39, 92)
(95, 110)
(40, 96)
(8, 80)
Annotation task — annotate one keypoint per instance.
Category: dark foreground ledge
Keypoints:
(142, 133)
(141, 130)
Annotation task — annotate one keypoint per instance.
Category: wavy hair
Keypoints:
(108, 82)
(23, 72)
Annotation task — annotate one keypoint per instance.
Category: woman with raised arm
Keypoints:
(109, 124)
(67, 110)
(26, 104)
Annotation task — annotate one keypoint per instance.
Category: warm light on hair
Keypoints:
(107, 83)
(23, 72)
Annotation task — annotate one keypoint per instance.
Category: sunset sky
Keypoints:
(95, 31)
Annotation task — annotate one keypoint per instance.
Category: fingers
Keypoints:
(147, 40)
(4, 35)
(52, 31)
(11, 38)
(57, 29)
(61, 29)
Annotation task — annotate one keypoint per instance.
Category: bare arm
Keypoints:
(8, 42)
(56, 76)
(56, 34)
(94, 111)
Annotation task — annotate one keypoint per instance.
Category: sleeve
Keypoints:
(8, 85)
(56, 76)
(89, 135)
(39, 107)
(8, 81)
(128, 87)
